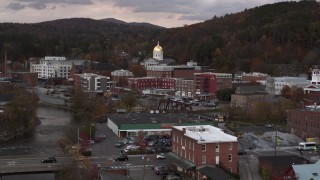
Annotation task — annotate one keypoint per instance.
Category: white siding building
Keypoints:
(275, 85)
(54, 66)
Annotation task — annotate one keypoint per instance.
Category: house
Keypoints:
(276, 165)
(196, 146)
(301, 172)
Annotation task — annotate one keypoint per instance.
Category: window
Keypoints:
(230, 157)
(173, 139)
(181, 141)
(192, 146)
(230, 146)
(203, 159)
(203, 147)
(217, 147)
(185, 142)
(177, 140)
(189, 144)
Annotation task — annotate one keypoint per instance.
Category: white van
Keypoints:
(305, 146)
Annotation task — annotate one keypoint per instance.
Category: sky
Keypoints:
(166, 13)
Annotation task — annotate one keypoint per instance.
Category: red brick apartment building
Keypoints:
(304, 123)
(196, 146)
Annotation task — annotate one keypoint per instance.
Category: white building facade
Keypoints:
(90, 82)
(275, 85)
(54, 67)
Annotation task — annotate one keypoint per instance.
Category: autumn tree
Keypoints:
(21, 112)
(128, 101)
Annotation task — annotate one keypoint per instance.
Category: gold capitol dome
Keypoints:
(158, 48)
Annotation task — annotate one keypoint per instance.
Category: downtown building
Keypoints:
(197, 147)
(54, 67)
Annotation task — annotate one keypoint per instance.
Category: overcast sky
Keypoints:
(166, 13)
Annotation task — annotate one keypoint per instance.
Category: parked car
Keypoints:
(269, 125)
(161, 156)
(151, 143)
(158, 168)
(49, 160)
(150, 150)
(122, 157)
(131, 148)
(131, 140)
(172, 177)
(119, 144)
(242, 152)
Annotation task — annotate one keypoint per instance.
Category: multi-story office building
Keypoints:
(89, 82)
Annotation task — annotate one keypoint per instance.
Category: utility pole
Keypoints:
(276, 142)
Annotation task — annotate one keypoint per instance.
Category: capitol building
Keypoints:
(157, 58)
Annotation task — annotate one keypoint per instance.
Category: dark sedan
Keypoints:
(242, 152)
(122, 157)
(49, 160)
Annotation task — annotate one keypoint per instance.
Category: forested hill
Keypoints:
(76, 38)
(252, 40)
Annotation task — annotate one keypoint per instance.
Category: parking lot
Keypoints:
(135, 164)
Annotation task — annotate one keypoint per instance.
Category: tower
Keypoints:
(158, 52)
(315, 76)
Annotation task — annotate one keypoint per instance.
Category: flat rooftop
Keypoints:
(206, 134)
(155, 118)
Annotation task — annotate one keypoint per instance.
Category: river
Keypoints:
(54, 122)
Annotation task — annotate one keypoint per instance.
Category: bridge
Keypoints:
(30, 165)
(170, 105)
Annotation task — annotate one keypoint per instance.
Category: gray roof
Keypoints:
(284, 160)
(307, 171)
(215, 173)
(141, 118)
(251, 89)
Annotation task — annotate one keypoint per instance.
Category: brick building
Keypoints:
(207, 83)
(304, 123)
(196, 146)
(185, 87)
(151, 83)
(28, 78)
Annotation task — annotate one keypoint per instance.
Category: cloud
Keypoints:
(194, 10)
(42, 4)
(37, 6)
(15, 6)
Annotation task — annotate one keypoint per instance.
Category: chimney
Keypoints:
(184, 130)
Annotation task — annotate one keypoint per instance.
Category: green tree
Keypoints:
(225, 94)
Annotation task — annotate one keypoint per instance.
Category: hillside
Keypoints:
(253, 40)
(259, 39)
(75, 38)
